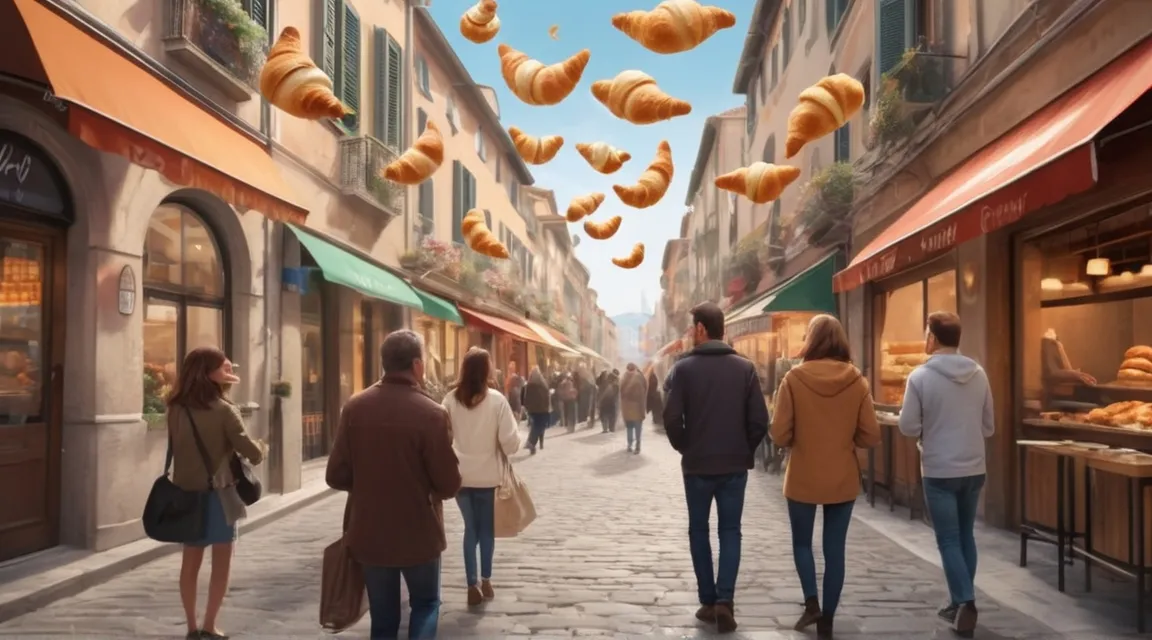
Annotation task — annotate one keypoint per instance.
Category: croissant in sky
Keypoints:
(674, 25)
(536, 83)
(760, 182)
(582, 206)
(824, 107)
(633, 259)
(602, 230)
(480, 23)
(479, 237)
(633, 96)
(602, 156)
(652, 184)
(535, 150)
(294, 84)
(420, 161)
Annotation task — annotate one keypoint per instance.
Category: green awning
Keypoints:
(343, 268)
(438, 307)
(809, 290)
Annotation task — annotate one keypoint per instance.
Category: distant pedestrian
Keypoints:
(609, 399)
(568, 392)
(205, 431)
(633, 404)
(714, 415)
(396, 442)
(655, 399)
(538, 404)
(513, 387)
(823, 412)
(557, 405)
(948, 406)
(483, 427)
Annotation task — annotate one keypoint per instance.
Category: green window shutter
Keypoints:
(351, 67)
(770, 150)
(471, 193)
(427, 207)
(830, 15)
(458, 191)
(843, 142)
(488, 218)
(395, 131)
(381, 85)
(892, 33)
(258, 11)
(326, 54)
(775, 65)
(421, 121)
(787, 28)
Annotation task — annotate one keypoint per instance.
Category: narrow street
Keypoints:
(608, 556)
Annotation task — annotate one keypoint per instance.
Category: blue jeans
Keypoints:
(633, 427)
(952, 502)
(802, 516)
(478, 508)
(537, 423)
(383, 584)
(728, 491)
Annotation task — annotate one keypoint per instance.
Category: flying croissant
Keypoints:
(674, 25)
(479, 237)
(480, 23)
(760, 182)
(535, 150)
(537, 84)
(582, 206)
(420, 161)
(602, 156)
(633, 96)
(602, 230)
(632, 260)
(294, 84)
(824, 107)
(652, 184)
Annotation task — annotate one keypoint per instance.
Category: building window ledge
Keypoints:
(207, 44)
(362, 159)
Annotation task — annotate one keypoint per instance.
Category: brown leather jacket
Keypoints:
(393, 455)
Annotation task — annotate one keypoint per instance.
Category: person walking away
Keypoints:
(823, 412)
(633, 404)
(393, 455)
(655, 400)
(948, 406)
(714, 416)
(482, 427)
(580, 379)
(537, 402)
(609, 402)
(557, 405)
(205, 431)
(567, 392)
(513, 389)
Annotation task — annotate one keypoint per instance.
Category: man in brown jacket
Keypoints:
(393, 455)
(633, 404)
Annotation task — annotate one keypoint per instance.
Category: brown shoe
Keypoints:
(966, 620)
(810, 616)
(725, 618)
(486, 589)
(475, 597)
(706, 613)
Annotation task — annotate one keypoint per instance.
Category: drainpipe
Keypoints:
(409, 10)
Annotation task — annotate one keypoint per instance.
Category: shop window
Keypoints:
(22, 332)
(423, 82)
(902, 315)
(834, 12)
(184, 298)
(313, 395)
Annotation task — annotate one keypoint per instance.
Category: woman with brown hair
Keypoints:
(484, 434)
(205, 431)
(823, 412)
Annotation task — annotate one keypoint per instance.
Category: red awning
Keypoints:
(1045, 159)
(494, 323)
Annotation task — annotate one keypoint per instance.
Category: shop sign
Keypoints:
(27, 180)
(938, 240)
(1001, 214)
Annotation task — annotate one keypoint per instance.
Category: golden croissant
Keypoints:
(674, 25)
(602, 230)
(633, 96)
(760, 182)
(554, 32)
(537, 84)
(294, 84)
(479, 237)
(420, 161)
(480, 23)
(535, 150)
(584, 206)
(632, 260)
(652, 184)
(602, 156)
(824, 107)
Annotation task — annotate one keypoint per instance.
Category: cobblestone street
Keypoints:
(607, 556)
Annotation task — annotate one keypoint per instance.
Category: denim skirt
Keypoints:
(216, 527)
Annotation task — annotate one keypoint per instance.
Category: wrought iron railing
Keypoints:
(224, 34)
(362, 161)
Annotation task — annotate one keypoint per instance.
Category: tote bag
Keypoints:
(514, 509)
(343, 600)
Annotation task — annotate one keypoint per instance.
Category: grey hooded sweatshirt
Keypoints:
(948, 405)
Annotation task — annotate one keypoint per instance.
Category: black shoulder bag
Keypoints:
(172, 514)
(248, 486)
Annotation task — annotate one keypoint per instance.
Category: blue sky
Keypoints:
(702, 76)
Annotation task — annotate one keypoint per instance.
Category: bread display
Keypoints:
(633, 259)
(479, 237)
(535, 150)
(602, 156)
(674, 25)
(480, 23)
(1136, 369)
(760, 182)
(1130, 414)
(652, 184)
(602, 230)
(823, 108)
(633, 96)
(1139, 351)
(536, 83)
(420, 161)
(582, 206)
(292, 82)
(1128, 376)
(1139, 364)
(897, 361)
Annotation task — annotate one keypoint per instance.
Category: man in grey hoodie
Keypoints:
(948, 405)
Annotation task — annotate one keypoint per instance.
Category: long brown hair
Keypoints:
(472, 385)
(193, 387)
(826, 340)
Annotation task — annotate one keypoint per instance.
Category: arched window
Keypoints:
(184, 297)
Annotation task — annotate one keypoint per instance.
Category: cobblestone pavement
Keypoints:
(608, 556)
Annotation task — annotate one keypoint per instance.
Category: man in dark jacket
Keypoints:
(715, 416)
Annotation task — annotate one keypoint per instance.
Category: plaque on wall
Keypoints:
(28, 180)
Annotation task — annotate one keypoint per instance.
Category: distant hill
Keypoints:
(631, 320)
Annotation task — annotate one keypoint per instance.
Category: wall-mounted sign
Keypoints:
(28, 180)
(126, 302)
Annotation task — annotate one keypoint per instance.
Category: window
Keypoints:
(463, 197)
(842, 140)
(514, 193)
(733, 223)
(427, 207)
(347, 65)
(770, 149)
(802, 14)
(481, 148)
(488, 218)
(750, 108)
(499, 168)
(387, 123)
(892, 33)
(775, 65)
(421, 121)
(452, 114)
(257, 10)
(786, 36)
(834, 11)
(902, 315)
(184, 297)
(422, 80)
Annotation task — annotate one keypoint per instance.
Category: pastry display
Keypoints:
(479, 237)
(633, 259)
(1139, 364)
(1136, 369)
(536, 83)
(480, 23)
(652, 184)
(1136, 376)
(760, 182)
(674, 25)
(582, 206)
(897, 361)
(1131, 414)
(420, 161)
(823, 108)
(602, 156)
(292, 82)
(1139, 351)
(20, 284)
(535, 150)
(633, 96)
(602, 230)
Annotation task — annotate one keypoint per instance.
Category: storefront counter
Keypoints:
(894, 466)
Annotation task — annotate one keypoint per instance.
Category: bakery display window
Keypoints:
(901, 314)
(760, 348)
(21, 332)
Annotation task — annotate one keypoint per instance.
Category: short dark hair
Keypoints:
(826, 340)
(945, 325)
(709, 315)
(400, 350)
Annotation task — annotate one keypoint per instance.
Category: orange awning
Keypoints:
(550, 338)
(1047, 158)
(510, 327)
(119, 107)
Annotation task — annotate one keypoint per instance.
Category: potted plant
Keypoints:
(827, 200)
(156, 390)
(232, 38)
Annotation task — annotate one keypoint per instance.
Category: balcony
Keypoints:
(362, 158)
(926, 76)
(219, 41)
